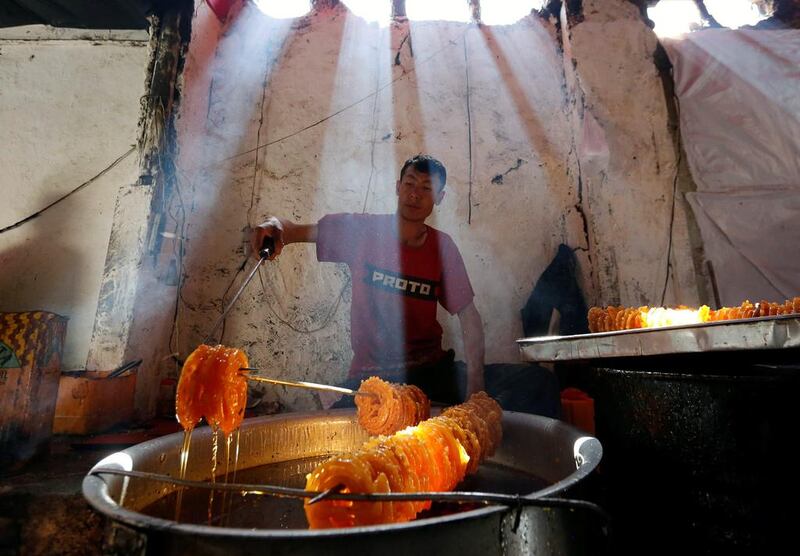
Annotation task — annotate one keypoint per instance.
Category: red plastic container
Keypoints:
(577, 408)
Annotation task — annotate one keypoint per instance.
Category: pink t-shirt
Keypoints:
(395, 289)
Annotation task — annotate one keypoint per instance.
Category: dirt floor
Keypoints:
(42, 510)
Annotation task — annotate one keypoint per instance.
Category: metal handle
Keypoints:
(267, 247)
(266, 251)
(232, 302)
(122, 368)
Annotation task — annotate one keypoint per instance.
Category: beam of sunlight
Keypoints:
(675, 17)
(526, 83)
(244, 61)
(283, 9)
(356, 168)
(357, 162)
(223, 83)
(226, 73)
(522, 64)
(349, 167)
(371, 11)
(487, 113)
(506, 12)
(734, 13)
(443, 10)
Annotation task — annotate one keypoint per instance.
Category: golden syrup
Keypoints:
(227, 497)
(251, 510)
(184, 462)
(214, 452)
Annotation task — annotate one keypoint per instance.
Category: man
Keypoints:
(401, 268)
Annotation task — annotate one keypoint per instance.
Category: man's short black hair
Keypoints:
(426, 164)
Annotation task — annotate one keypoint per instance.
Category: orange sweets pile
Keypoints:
(761, 309)
(623, 318)
(433, 456)
(212, 386)
(392, 408)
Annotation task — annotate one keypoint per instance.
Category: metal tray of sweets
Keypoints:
(757, 335)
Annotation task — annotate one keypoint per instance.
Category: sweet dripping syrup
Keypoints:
(270, 512)
(214, 451)
(231, 449)
(184, 461)
(226, 498)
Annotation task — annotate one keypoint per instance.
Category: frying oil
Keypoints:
(271, 512)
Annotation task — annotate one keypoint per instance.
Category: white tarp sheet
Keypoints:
(739, 94)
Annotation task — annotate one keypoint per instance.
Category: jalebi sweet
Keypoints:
(432, 456)
(614, 318)
(391, 407)
(211, 386)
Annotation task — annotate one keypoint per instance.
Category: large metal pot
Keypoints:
(699, 460)
(557, 453)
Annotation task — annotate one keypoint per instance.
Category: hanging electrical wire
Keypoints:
(63, 197)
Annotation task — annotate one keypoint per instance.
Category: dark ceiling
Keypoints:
(80, 14)
(131, 14)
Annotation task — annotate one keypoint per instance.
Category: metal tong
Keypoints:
(267, 249)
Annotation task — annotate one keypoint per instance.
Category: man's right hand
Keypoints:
(271, 227)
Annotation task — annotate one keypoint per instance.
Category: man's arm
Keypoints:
(283, 232)
(472, 332)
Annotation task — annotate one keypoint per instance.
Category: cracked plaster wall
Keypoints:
(337, 105)
(627, 188)
(69, 106)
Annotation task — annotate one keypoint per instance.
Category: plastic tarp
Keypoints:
(739, 97)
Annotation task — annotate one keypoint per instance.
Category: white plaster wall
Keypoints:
(337, 105)
(68, 108)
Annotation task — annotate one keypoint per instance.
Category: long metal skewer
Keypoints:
(303, 384)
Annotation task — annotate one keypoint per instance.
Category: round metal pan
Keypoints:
(560, 454)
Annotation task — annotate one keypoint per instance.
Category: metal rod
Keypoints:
(310, 385)
(481, 497)
(230, 305)
(324, 494)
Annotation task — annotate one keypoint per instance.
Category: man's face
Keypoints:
(417, 193)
